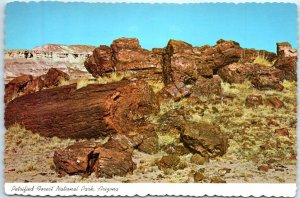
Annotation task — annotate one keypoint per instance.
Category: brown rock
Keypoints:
(287, 60)
(35, 85)
(263, 167)
(198, 177)
(205, 139)
(275, 102)
(282, 132)
(267, 78)
(254, 100)
(100, 61)
(198, 159)
(75, 159)
(178, 63)
(16, 86)
(149, 145)
(112, 163)
(84, 157)
(128, 55)
(204, 86)
(217, 180)
(169, 162)
(54, 76)
(172, 91)
(237, 72)
(92, 111)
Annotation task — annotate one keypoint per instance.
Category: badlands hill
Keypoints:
(37, 61)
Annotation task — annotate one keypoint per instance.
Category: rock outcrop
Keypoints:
(92, 111)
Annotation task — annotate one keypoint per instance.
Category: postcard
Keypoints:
(124, 99)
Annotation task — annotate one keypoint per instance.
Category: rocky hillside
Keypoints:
(39, 60)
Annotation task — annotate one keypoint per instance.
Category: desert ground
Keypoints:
(256, 154)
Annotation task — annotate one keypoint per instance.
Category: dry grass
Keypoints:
(261, 60)
(113, 77)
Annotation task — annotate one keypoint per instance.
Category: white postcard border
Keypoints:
(153, 189)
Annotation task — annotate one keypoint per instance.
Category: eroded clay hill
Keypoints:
(122, 110)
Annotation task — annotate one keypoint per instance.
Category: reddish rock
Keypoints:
(174, 92)
(204, 86)
(16, 87)
(237, 72)
(128, 55)
(112, 163)
(254, 100)
(178, 63)
(92, 111)
(85, 157)
(100, 61)
(54, 77)
(287, 60)
(205, 139)
(274, 102)
(125, 54)
(78, 158)
(267, 78)
(282, 132)
(35, 85)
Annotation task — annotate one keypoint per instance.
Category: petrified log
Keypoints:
(125, 54)
(85, 157)
(92, 111)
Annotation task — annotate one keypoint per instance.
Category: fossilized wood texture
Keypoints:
(85, 157)
(92, 111)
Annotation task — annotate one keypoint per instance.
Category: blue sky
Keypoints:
(259, 26)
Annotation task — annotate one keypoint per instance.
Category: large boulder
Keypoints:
(267, 79)
(204, 138)
(287, 60)
(210, 86)
(179, 63)
(100, 61)
(54, 76)
(237, 72)
(125, 54)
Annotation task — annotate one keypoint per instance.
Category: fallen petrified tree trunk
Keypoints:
(92, 111)
(85, 157)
